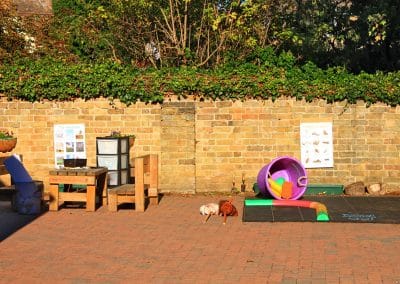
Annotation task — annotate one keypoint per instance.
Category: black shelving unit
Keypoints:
(113, 153)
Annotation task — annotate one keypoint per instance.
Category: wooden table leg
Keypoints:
(103, 185)
(91, 198)
(54, 197)
(139, 185)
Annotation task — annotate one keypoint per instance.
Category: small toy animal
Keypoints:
(209, 209)
(226, 208)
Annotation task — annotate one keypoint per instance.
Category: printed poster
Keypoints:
(316, 141)
(69, 143)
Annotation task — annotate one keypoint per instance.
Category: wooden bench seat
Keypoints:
(145, 186)
(125, 194)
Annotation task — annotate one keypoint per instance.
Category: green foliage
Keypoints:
(361, 35)
(49, 79)
(83, 26)
(6, 134)
(12, 40)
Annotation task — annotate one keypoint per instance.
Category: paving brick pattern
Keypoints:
(169, 243)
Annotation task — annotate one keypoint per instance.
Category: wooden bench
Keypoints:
(144, 188)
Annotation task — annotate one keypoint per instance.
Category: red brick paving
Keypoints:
(169, 243)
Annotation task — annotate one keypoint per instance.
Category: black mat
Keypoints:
(356, 209)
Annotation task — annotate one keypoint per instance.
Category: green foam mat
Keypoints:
(354, 209)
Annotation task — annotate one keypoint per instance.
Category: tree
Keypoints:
(361, 35)
(11, 38)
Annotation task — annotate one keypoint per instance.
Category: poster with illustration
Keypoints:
(69, 143)
(316, 144)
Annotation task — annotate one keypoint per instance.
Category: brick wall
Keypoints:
(178, 167)
(237, 139)
(33, 125)
(206, 146)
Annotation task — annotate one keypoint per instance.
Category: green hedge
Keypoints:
(48, 79)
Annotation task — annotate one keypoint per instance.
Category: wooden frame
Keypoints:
(95, 180)
(145, 171)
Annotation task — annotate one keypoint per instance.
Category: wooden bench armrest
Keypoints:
(150, 169)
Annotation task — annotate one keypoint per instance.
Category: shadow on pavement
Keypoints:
(11, 221)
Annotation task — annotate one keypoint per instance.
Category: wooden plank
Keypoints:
(91, 198)
(126, 199)
(126, 189)
(54, 197)
(152, 192)
(46, 196)
(146, 178)
(58, 179)
(150, 169)
(139, 185)
(146, 164)
(3, 170)
(96, 171)
(123, 189)
(132, 171)
(73, 196)
(112, 202)
(153, 183)
(153, 171)
(78, 171)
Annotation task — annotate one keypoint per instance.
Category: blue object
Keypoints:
(17, 170)
(29, 192)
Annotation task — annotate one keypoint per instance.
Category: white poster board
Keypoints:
(316, 141)
(69, 143)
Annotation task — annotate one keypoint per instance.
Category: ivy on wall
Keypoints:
(56, 80)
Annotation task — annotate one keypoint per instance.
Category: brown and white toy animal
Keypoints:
(226, 208)
(209, 209)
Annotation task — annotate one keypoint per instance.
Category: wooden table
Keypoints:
(95, 180)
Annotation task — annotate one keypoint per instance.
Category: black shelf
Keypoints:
(113, 153)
